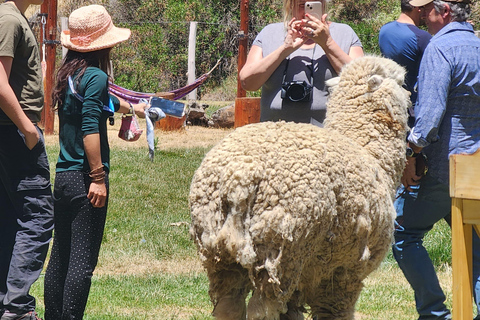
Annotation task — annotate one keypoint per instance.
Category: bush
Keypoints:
(155, 58)
(158, 54)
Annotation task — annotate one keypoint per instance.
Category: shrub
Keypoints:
(155, 58)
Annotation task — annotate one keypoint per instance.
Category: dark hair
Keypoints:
(78, 61)
(405, 6)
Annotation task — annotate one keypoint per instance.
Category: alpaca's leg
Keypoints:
(230, 307)
(292, 314)
(262, 308)
(264, 304)
(335, 298)
(336, 305)
(228, 290)
(295, 309)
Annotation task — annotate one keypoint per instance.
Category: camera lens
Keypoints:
(296, 92)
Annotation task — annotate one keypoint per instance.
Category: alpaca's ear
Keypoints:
(332, 82)
(374, 82)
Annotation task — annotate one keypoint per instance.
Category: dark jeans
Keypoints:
(76, 246)
(26, 218)
(417, 212)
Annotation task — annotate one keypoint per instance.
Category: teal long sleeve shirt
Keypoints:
(78, 119)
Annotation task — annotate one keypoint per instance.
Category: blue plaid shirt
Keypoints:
(448, 105)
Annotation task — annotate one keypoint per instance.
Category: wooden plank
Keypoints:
(465, 176)
(461, 264)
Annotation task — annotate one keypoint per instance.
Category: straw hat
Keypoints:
(91, 28)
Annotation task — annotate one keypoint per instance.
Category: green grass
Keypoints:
(157, 296)
(146, 198)
(148, 266)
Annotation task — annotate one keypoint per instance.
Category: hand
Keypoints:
(409, 177)
(316, 29)
(97, 193)
(140, 108)
(294, 39)
(31, 137)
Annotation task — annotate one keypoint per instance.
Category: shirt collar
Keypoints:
(454, 26)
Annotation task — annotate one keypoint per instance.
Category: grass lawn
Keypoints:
(148, 266)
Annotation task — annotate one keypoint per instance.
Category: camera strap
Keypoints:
(311, 67)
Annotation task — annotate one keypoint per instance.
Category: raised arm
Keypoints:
(318, 31)
(258, 69)
(125, 107)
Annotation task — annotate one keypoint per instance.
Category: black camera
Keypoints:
(297, 91)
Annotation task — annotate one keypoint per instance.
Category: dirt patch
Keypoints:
(188, 137)
(144, 266)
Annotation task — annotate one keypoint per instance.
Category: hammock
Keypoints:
(134, 96)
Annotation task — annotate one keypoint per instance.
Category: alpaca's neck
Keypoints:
(390, 155)
(386, 146)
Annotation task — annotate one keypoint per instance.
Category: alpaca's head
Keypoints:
(368, 96)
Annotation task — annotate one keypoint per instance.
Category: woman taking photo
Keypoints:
(290, 61)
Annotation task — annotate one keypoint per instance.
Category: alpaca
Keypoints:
(298, 214)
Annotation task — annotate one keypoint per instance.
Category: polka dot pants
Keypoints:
(77, 238)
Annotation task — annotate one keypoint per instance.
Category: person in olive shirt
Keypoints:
(81, 181)
(26, 214)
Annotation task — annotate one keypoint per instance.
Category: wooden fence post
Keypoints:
(192, 42)
(48, 115)
(247, 110)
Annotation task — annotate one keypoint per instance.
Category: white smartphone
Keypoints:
(314, 8)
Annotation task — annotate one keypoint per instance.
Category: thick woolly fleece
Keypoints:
(301, 214)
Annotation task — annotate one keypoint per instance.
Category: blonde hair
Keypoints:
(288, 8)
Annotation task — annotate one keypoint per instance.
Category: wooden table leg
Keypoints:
(461, 264)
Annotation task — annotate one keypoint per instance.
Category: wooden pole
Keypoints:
(243, 44)
(50, 8)
(247, 110)
(192, 42)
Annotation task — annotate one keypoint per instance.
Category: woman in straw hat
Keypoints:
(81, 182)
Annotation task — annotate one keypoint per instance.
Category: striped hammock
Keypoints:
(134, 96)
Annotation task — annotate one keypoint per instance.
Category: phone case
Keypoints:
(315, 8)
